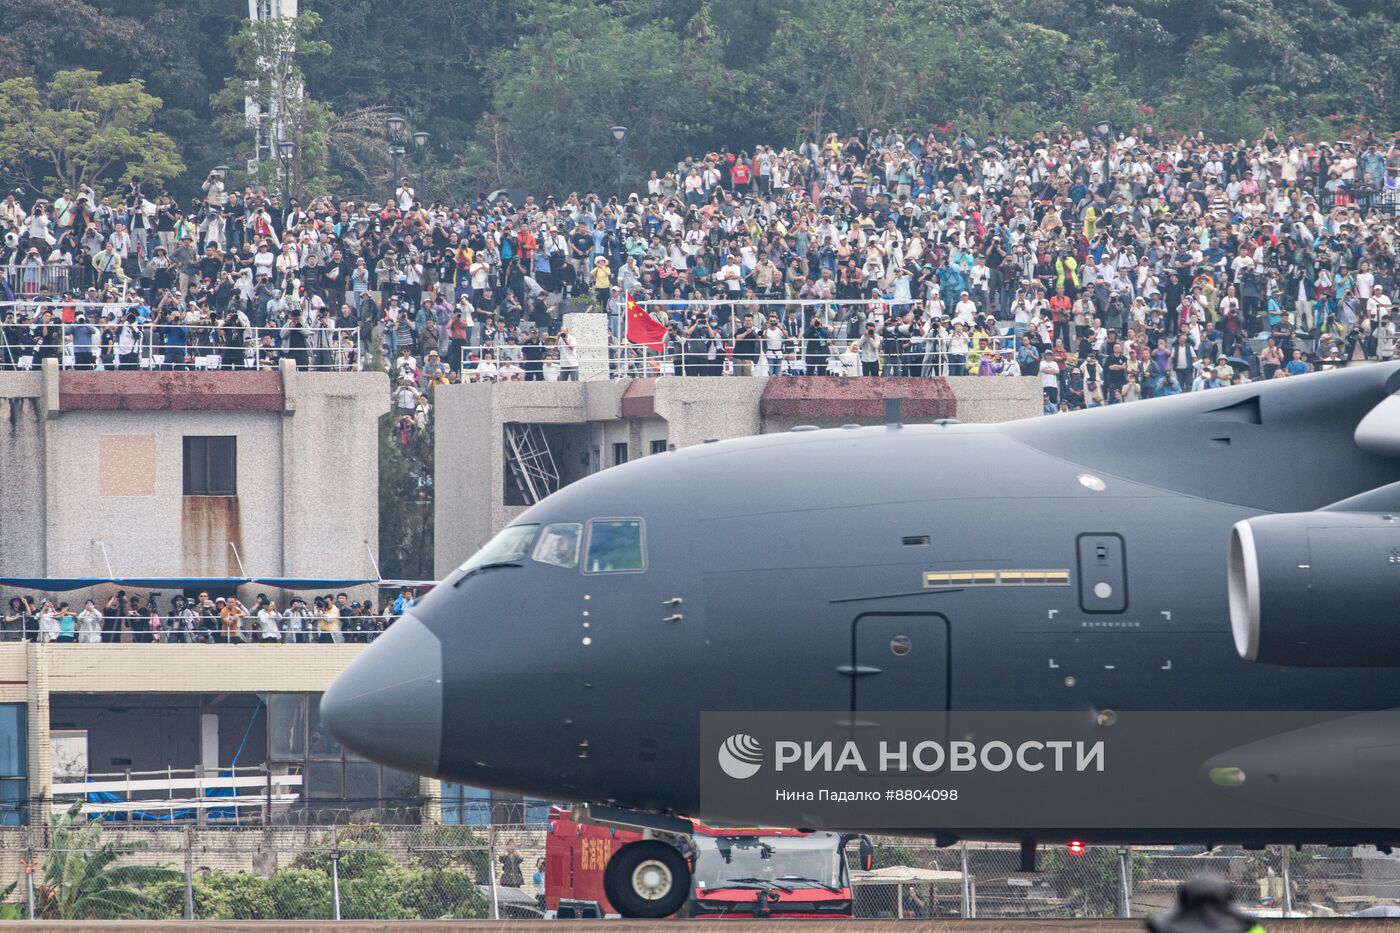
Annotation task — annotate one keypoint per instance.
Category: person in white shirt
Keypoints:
(1050, 378)
(269, 622)
(568, 356)
(404, 195)
(965, 310)
(1385, 340)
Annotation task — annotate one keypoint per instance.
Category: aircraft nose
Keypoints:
(387, 705)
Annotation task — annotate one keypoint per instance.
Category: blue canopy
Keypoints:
(308, 583)
(50, 585)
(65, 584)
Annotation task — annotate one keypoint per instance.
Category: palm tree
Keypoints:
(80, 882)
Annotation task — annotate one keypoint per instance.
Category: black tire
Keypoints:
(646, 880)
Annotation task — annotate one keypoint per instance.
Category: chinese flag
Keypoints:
(643, 329)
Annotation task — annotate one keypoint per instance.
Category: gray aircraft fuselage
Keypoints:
(792, 559)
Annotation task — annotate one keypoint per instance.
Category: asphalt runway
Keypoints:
(670, 926)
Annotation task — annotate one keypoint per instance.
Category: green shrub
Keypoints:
(442, 894)
(374, 897)
(300, 894)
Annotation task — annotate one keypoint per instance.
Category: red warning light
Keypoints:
(1076, 848)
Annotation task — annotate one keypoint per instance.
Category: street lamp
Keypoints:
(1104, 128)
(618, 133)
(393, 126)
(287, 154)
(420, 143)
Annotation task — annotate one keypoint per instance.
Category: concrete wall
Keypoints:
(469, 420)
(23, 467)
(83, 473)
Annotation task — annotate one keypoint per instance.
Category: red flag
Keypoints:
(643, 329)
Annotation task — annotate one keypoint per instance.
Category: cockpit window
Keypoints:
(508, 547)
(615, 545)
(558, 545)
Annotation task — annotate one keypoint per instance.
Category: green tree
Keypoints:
(75, 130)
(300, 894)
(405, 503)
(441, 894)
(578, 68)
(268, 56)
(81, 881)
(235, 895)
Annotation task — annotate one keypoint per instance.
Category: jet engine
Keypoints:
(1319, 589)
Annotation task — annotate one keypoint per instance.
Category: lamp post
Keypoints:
(393, 126)
(420, 143)
(618, 133)
(1105, 130)
(287, 154)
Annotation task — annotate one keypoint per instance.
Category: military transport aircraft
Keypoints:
(1087, 561)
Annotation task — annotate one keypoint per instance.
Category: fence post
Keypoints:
(29, 883)
(491, 868)
(189, 872)
(335, 873)
(966, 886)
(1125, 880)
(1284, 859)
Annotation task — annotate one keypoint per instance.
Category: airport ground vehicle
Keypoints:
(596, 870)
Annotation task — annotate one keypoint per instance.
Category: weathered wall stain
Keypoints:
(207, 525)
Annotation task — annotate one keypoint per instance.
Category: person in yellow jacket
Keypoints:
(1091, 222)
(1067, 273)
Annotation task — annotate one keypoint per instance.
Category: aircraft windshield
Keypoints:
(786, 861)
(508, 547)
(615, 545)
(558, 545)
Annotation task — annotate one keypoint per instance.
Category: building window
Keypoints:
(335, 782)
(211, 466)
(619, 454)
(14, 764)
(463, 805)
(658, 447)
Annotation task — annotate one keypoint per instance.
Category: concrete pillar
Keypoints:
(590, 333)
(209, 742)
(431, 789)
(40, 748)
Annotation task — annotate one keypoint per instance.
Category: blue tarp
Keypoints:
(51, 584)
(306, 583)
(65, 584)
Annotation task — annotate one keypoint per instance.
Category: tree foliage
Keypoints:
(268, 57)
(83, 882)
(76, 130)
(522, 92)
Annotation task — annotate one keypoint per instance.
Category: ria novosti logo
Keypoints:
(740, 756)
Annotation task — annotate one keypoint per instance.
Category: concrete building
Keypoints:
(189, 474)
(501, 446)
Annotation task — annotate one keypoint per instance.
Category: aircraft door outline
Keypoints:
(903, 656)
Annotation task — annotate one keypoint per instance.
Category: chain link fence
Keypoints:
(374, 871)
(916, 879)
(350, 872)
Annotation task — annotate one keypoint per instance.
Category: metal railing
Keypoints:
(201, 629)
(113, 343)
(27, 280)
(916, 357)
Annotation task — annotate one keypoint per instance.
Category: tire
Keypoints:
(646, 880)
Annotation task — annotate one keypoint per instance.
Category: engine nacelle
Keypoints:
(1319, 589)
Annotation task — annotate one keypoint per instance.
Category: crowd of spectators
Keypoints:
(122, 616)
(1114, 267)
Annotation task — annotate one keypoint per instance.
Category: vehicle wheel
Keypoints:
(646, 880)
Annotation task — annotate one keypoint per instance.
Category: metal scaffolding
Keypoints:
(530, 466)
